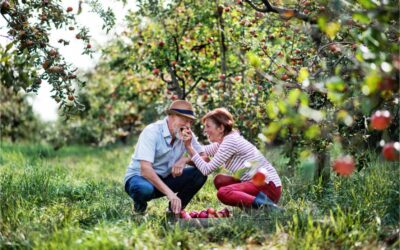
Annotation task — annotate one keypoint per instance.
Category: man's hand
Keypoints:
(176, 204)
(177, 169)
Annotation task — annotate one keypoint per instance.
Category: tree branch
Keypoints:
(284, 13)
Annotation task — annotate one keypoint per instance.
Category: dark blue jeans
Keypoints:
(186, 186)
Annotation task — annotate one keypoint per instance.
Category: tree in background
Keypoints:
(17, 118)
(29, 58)
(307, 73)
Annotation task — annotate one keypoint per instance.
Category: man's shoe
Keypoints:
(135, 212)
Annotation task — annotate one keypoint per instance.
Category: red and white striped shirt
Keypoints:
(232, 153)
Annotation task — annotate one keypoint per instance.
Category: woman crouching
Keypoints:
(229, 149)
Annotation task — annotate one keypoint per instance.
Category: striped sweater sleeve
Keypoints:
(224, 152)
(211, 149)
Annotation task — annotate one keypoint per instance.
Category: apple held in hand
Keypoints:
(391, 151)
(380, 120)
(344, 165)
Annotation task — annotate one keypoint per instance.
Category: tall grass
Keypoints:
(74, 199)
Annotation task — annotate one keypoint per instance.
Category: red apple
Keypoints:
(211, 211)
(69, 9)
(185, 215)
(258, 179)
(344, 165)
(220, 215)
(203, 214)
(156, 71)
(225, 212)
(161, 43)
(212, 216)
(284, 77)
(380, 120)
(391, 151)
(387, 83)
(222, 76)
(194, 214)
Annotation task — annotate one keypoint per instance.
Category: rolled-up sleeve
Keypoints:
(146, 146)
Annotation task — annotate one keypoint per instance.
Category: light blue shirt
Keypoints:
(154, 145)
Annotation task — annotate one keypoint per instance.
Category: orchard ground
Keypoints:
(74, 199)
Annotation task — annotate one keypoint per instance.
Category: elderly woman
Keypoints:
(228, 148)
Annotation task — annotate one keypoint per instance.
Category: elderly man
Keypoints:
(157, 165)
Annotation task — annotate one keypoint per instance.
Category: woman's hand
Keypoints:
(187, 137)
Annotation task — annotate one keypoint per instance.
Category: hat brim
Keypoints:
(173, 112)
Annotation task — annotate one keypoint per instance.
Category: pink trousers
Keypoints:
(233, 192)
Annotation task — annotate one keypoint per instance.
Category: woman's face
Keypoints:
(214, 133)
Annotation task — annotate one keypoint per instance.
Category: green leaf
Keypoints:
(331, 29)
(272, 110)
(239, 173)
(253, 59)
(303, 75)
(293, 96)
(371, 83)
(335, 84)
(368, 4)
(322, 20)
(362, 18)
(312, 132)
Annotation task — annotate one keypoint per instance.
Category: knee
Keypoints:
(198, 178)
(143, 192)
(222, 193)
(218, 181)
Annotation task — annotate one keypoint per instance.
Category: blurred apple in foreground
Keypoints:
(380, 120)
(344, 165)
(391, 151)
(259, 178)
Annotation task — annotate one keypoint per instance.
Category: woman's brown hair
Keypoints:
(220, 116)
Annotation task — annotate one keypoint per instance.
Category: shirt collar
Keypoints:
(165, 128)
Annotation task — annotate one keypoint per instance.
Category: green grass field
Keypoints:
(74, 199)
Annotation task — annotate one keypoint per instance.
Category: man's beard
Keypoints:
(177, 133)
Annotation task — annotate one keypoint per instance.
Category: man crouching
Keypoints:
(157, 165)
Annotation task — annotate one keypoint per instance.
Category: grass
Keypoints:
(74, 199)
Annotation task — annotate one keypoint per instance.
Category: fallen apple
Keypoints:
(194, 214)
(203, 214)
(211, 211)
(225, 212)
(185, 215)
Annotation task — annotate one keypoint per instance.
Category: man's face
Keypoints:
(179, 123)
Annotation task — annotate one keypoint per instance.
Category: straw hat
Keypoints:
(182, 108)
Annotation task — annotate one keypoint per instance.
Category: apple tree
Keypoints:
(34, 58)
